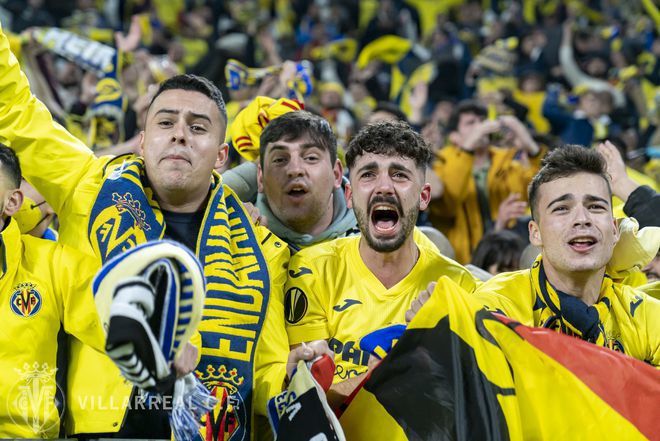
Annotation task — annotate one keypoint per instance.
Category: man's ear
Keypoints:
(260, 178)
(338, 172)
(14, 203)
(617, 232)
(535, 234)
(425, 197)
(223, 154)
(348, 194)
(141, 143)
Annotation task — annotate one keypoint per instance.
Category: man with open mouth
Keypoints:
(300, 181)
(344, 289)
(568, 288)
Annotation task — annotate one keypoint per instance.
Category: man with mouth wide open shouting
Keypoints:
(344, 289)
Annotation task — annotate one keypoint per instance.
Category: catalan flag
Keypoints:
(461, 372)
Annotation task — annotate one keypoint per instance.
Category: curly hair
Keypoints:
(395, 138)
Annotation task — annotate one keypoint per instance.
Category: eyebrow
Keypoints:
(568, 196)
(592, 198)
(394, 166)
(176, 112)
(400, 167)
(305, 146)
(368, 166)
(562, 198)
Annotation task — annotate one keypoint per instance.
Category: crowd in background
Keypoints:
(571, 72)
(342, 118)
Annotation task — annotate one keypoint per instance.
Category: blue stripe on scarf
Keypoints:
(123, 216)
(248, 247)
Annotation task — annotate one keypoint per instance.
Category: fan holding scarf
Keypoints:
(108, 205)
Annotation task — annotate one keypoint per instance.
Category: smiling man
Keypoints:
(346, 288)
(567, 288)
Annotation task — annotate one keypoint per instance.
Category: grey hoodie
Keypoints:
(343, 223)
(243, 180)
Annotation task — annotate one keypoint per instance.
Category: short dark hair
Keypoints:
(395, 138)
(563, 162)
(294, 125)
(194, 83)
(463, 108)
(502, 248)
(10, 165)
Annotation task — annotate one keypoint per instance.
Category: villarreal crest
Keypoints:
(25, 300)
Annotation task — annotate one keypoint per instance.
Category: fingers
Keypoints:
(319, 348)
(255, 214)
(307, 352)
(186, 362)
(421, 299)
(512, 197)
(491, 126)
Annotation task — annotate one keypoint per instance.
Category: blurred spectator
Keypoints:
(477, 177)
(498, 252)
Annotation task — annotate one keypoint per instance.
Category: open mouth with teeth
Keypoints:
(384, 219)
(582, 244)
(296, 191)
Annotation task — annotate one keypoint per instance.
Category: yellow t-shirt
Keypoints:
(331, 294)
(630, 322)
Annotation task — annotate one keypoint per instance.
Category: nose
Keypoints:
(295, 167)
(384, 184)
(582, 217)
(179, 133)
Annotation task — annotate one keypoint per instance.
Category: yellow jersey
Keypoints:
(332, 295)
(42, 285)
(71, 179)
(626, 317)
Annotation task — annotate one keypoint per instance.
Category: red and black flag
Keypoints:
(461, 372)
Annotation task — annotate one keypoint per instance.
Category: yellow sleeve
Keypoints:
(651, 289)
(73, 273)
(454, 168)
(652, 312)
(273, 350)
(52, 159)
(306, 318)
(510, 295)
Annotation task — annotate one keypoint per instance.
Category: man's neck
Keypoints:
(390, 268)
(583, 285)
(178, 202)
(321, 224)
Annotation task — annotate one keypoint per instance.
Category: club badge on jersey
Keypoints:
(26, 300)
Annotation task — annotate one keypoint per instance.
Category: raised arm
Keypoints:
(52, 159)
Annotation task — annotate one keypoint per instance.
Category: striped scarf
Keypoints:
(568, 314)
(126, 213)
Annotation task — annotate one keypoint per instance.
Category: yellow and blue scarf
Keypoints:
(126, 213)
(102, 125)
(570, 315)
